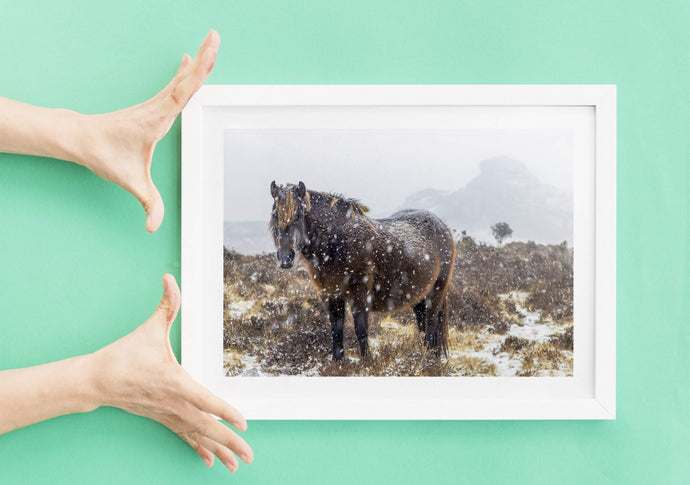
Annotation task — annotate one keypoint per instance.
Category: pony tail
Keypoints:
(442, 328)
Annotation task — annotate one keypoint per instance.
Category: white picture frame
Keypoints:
(589, 394)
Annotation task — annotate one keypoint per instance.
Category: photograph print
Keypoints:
(398, 252)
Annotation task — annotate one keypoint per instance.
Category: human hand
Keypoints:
(121, 144)
(139, 374)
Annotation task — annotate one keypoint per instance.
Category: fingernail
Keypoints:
(208, 461)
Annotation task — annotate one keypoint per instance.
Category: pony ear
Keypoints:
(274, 189)
(301, 189)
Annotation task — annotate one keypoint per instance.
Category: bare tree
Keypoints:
(501, 231)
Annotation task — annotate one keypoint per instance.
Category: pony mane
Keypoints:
(347, 207)
(287, 211)
(351, 207)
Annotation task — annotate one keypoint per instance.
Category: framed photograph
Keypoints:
(401, 252)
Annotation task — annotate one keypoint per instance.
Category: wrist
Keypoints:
(81, 139)
(88, 395)
(62, 134)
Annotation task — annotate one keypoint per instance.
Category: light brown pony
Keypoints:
(380, 265)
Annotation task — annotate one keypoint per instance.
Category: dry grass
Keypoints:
(543, 359)
(275, 324)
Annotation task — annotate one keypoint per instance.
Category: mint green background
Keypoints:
(77, 269)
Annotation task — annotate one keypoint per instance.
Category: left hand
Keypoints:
(140, 374)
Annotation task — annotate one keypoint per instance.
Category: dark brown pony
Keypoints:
(380, 265)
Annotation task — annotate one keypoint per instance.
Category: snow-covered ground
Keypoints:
(248, 364)
(475, 351)
(238, 308)
(530, 327)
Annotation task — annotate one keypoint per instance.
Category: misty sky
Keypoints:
(381, 167)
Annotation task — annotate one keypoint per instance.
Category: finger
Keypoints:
(204, 425)
(210, 43)
(183, 65)
(206, 401)
(223, 453)
(170, 302)
(191, 435)
(204, 453)
(154, 207)
(194, 76)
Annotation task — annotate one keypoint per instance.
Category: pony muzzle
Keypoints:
(286, 257)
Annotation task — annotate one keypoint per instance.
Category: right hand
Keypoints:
(120, 145)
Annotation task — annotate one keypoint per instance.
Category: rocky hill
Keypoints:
(505, 190)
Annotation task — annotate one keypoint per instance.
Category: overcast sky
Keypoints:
(379, 167)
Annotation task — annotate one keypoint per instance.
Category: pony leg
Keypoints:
(420, 314)
(361, 319)
(336, 314)
(441, 331)
(436, 334)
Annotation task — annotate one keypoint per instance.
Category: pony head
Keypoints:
(290, 205)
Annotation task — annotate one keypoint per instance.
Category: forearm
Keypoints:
(44, 132)
(34, 394)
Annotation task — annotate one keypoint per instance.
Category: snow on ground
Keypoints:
(238, 308)
(467, 347)
(484, 346)
(506, 365)
(250, 366)
(532, 326)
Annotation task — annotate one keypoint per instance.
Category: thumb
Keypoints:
(170, 302)
(155, 209)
